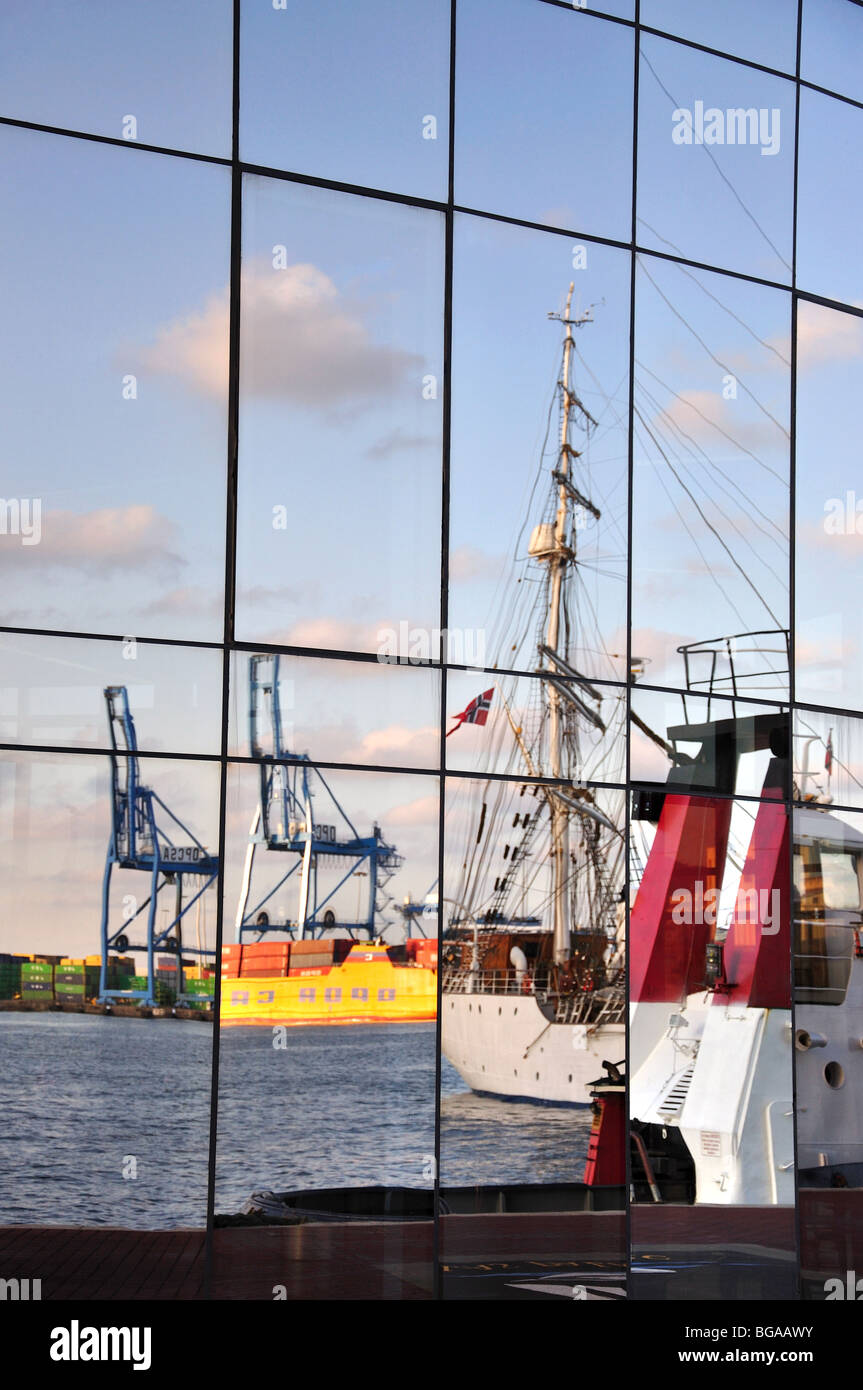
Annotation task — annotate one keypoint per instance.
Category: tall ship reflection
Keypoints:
(533, 973)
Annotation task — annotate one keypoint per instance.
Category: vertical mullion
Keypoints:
(446, 423)
(629, 509)
(228, 627)
(792, 693)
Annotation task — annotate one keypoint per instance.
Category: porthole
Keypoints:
(834, 1075)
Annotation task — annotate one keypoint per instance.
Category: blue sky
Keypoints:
(116, 262)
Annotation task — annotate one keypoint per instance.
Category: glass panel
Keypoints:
(828, 1045)
(764, 33)
(52, 691)
(532, 81)
(711, 485)
(356, 93)
(703, 743)
(830, 202)
(317, 1119)
(504, 727)
(830, 46)
(159, 73)
(508, 431)
(828, 757)
(533, 1008)
(340, 421)
(829, 515)
(339, 711)
(716, 160)
(114, 508)
(710, 1048)
(111, 1098)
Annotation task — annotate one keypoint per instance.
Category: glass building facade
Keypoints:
(429, 526)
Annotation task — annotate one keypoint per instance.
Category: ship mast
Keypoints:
(558, 553)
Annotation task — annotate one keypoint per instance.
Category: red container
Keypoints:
(313, 948)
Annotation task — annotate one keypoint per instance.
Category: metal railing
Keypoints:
(578, 1006)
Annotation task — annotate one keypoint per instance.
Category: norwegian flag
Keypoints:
(828, 756)
(475, 713)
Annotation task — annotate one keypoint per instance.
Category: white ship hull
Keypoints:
(503, 1045)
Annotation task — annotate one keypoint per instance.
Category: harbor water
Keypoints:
(107, 1120)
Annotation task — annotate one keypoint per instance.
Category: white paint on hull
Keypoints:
(504, 1044)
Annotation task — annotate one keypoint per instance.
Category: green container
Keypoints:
(36, 970)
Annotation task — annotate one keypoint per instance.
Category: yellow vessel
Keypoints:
(366, 987)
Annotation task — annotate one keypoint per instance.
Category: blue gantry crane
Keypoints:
(288, 820)
(148, 837)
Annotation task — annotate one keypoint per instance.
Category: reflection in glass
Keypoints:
(379, 713)
(765, 33)
(533, 999)
(830, 203)
(340, 421)
(328, 1002)
(711, 555)
(828, 1023)
(534, 81)
(117, 516)
(515, 730)
(510, 434)
(829, 757)
(716, 160)
(128, 1096)
(158, 73)
(52, 692)
(704, 741)
(710, 1045)
(829, 517)
(355, 93)
(832, 32)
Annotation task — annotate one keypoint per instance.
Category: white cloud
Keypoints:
(301, 342)
(104, 541)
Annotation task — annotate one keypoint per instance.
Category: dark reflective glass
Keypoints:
(327, 1049)
(715, 160)
(533, 1009)
(114, 379)
(711, 550)
(158, 73)
(106, 1080)
(765, 33)
(340, 421)
(354, 93)
(544, 111)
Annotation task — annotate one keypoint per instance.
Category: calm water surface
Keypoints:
(87, 1099)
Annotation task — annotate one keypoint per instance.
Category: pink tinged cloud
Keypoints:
(301, 343)
(110, 539)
